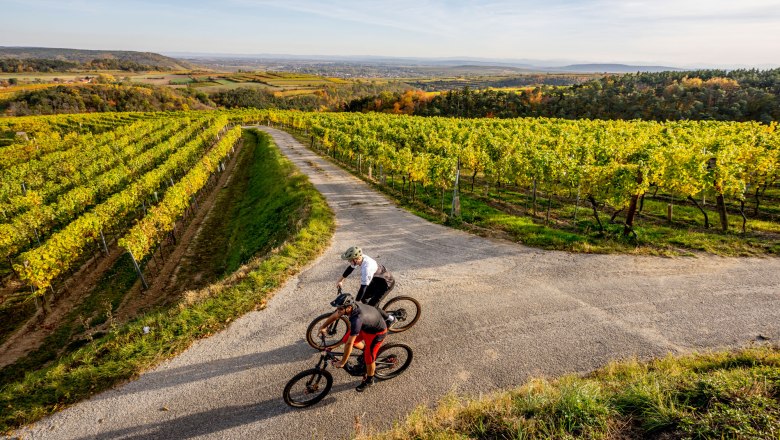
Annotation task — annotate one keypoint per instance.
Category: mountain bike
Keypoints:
(310, 386)
(405, 310)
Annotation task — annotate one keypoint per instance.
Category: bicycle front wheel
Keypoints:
(333, 335)
(406, 311)
(307, 388)
(392, 360)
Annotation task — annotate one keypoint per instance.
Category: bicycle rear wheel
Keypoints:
(392, 360)
(406, 311)
(307, 388)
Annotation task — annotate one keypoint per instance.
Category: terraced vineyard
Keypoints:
(71, 185)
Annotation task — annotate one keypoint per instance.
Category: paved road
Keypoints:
(494, 313)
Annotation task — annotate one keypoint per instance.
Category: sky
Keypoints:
(678, 33)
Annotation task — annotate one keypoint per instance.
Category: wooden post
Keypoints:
(720, 204)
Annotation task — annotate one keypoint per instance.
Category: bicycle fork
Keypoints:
(313, 384)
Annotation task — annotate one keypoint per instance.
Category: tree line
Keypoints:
(738, 95)
(329, 97)
(90, 98)
(17, 65)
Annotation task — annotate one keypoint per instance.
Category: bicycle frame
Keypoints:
(400, 315)
(329, 356)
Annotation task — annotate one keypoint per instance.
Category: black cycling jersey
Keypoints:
(367, 319)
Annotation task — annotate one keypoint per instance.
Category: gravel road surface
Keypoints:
(494, 314)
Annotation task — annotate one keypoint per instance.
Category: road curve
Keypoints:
(494, 313)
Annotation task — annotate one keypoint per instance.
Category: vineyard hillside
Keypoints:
(108, 218)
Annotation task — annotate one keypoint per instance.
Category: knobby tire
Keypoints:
(412, 312)
(316, 389)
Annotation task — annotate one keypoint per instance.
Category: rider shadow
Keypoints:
(171, 377)
(216, 420)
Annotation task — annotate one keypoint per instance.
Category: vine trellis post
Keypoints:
(138, 270)
(455, 211)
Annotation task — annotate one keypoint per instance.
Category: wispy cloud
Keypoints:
(574, 29)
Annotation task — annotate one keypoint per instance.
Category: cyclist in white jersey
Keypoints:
(375, 280)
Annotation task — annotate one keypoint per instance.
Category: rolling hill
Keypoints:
(85, 57)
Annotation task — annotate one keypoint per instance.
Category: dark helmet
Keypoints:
(343, 300)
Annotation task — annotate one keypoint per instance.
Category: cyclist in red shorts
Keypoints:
(367, 332)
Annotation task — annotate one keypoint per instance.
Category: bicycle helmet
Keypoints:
(343, 300)
(352, 253)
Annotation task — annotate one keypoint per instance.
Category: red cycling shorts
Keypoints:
(373, 343)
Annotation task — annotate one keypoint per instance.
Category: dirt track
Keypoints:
(494, 313)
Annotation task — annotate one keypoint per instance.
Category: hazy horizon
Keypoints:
(683, 33)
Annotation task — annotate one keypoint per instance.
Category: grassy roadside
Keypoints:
(715, 395)
(126, 350)
(510, 214)
(247, 219)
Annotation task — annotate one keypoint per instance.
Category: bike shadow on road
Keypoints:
(217, 419)
(172, 377)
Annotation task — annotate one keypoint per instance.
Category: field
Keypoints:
(283, 84)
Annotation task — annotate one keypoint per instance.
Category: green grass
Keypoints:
(180, 81)
(732, 395)
(126, 350)
(248, 218)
